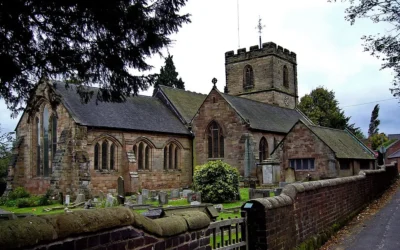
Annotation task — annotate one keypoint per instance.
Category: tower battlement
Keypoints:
(269, 48)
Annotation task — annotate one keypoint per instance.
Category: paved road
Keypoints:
(381, 232)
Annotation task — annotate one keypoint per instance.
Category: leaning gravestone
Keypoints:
(121, 190)
(79, 199)
(146, 193)
(174, 193)
(186, 192)
(162, 198)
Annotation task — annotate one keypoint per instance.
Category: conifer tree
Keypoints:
(168, 75)
(374, 123)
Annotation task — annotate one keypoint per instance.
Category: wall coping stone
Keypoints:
(290, 191)
(29, 231)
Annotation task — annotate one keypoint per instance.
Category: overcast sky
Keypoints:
(329, 52)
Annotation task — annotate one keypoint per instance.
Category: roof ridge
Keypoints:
(323, 127)
(184, 90)
(242, 98)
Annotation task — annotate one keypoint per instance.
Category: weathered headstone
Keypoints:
(174, 193)
(186, 192)
(195, 196)
(110, 201)
(146, 193)
(88, 204)
(195, 203)
(67, 200)
(162, 198)
(121, 190)
(153, 193)
(141, 199)
(153, 214)
(267, 174)
(258, 193)
(282, 184)
(79, 199)
(101, 195)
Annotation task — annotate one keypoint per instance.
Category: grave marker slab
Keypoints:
(67, 199)
(195, 196)
(186, 192)
(121, 190)
(141, 199)
(174, 193)
(146, 193)
(162, 198)
(80, 198)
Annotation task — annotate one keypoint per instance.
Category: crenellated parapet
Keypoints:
(255, 51)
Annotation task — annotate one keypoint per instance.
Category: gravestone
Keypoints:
(67, 199)
(195, 196)
(101, 195)
(110, 201)
(195, 203)
(79, 199)
(121, 190)
(153, 193)
(282, 184)
(278, 191)
(267, 174)
(186, 192)
(153, 213)
(174, 193)
(141, 199)
(146, 193)
(258, 193)
(219, 207)
(162, 198)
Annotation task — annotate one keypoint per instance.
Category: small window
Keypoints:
(306, 164)
(263, 149)
(143, 154)
(215, 141)
(344, 164)
(285, 77)
(171, 156)
(248, 77)
(105, 155)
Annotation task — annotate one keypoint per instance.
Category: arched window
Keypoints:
(53, 135)
(46, 141)
(248, 77)
(112, 156)
(143, 155)
(285, 77)
(263, 149)
(171, 156)
(215, 141)
(106, 155)
(96, 156)
(38, 158)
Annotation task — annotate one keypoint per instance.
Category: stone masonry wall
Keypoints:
(112, 228)
(311, 211)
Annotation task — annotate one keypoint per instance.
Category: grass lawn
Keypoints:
(33, 210)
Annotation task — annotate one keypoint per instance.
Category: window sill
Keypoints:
(106, 171)
(143, 170)
(173, 170)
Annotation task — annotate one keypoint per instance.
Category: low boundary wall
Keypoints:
(308, 213)
(108, 228)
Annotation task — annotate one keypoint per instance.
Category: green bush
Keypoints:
(19, 192)
(44, 200)
(217, 182)
(32, 201)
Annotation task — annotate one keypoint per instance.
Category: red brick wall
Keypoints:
(306, 210)
(395, 147)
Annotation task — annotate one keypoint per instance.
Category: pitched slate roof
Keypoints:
(394, 136)
(186, 102)
(394, 155)
(267, 117)
(345, 145)
(142, 113)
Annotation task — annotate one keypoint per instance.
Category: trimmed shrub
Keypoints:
(44, 200)
(217, 182)
(19, 192)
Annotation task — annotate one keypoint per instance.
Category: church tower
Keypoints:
(267, 74)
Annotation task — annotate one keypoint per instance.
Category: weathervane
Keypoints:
(260, 28)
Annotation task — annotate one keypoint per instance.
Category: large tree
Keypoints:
(374, 122)
(6, 140)
(385, 45)
(322, 108)
(168, 75)
(88, 41)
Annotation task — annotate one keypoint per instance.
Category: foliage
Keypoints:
(385, 46)
(217, 182)
(5, 154)
(17, 193)
(44, 200)
(374, 123)
(88, 41)
(168, 75)
(322, 108)
(377, 140)
(27, 202)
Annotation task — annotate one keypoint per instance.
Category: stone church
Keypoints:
(155, 142)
